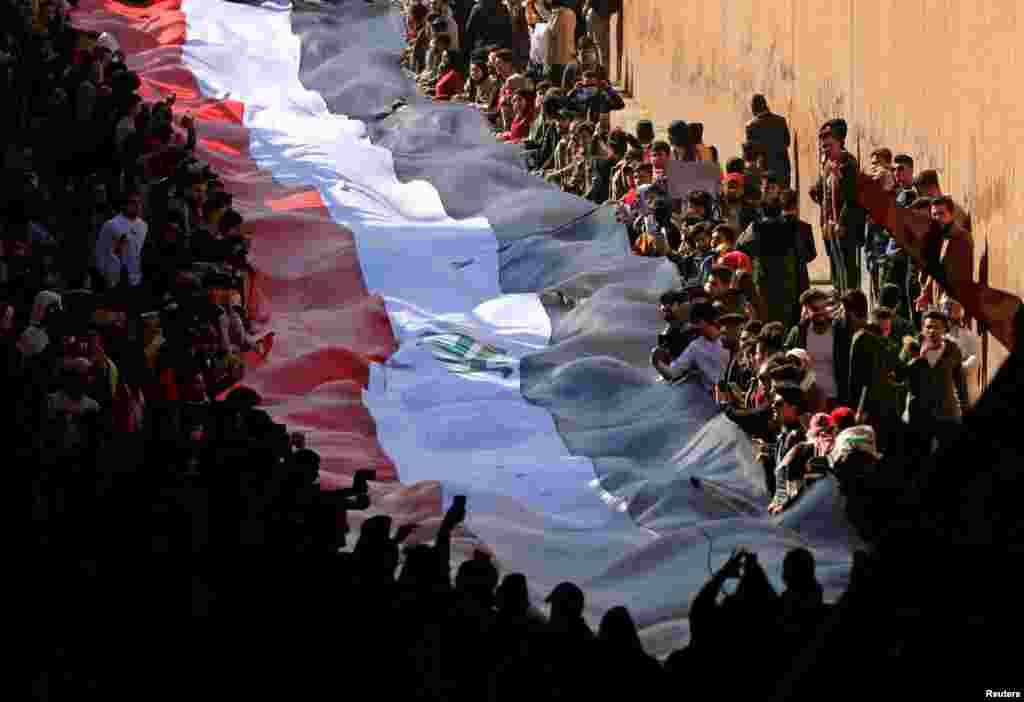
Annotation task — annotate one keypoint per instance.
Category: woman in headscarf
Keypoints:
(35, 338)
(813, 395)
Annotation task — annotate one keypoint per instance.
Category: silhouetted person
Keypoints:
(519, 634)
(801, 603)
(620, 649)
(569, 645)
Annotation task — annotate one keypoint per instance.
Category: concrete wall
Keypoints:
(940, 79)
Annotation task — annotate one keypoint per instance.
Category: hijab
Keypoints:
(35, 339)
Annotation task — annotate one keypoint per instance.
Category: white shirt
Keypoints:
(539, 44)
(708, 357)
(819, 348)
(108, 263)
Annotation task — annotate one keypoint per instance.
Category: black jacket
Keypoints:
(771, 132)
(487, 25)
(601, 180)
(675, 337)
(933, 392)
(806, 250)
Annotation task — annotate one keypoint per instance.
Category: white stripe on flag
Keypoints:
(528, 497)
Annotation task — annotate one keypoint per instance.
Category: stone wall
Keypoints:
(940, 79)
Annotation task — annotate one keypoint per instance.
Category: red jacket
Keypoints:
(737, 260)
(449, 86)
(520, 128)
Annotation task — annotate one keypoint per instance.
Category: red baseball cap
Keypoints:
(843, 418)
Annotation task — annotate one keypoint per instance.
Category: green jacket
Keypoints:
(872, 361)
(537, 128)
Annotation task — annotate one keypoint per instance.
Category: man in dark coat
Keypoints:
(771, 132)
(487, 25)
(807, 251)
(872, 371)
(771, 244)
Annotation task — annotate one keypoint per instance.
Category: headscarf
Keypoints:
(35, 339)
(108, 41)
(859, 438)
(733, 178)
(44, 300)
(810, 377)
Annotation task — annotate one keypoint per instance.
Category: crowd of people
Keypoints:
(182, 544)
(746, 322)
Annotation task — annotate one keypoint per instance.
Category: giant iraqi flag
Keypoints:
(456, 324)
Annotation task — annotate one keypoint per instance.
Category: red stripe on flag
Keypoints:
(220, 146)
(334, 347)
(299, 201)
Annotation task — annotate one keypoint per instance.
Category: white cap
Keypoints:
(108, 41)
